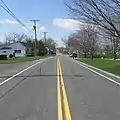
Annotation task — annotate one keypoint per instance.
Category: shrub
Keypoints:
(30, 55)
(10, 55)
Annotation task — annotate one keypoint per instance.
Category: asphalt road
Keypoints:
(57, 89)
(8, 70)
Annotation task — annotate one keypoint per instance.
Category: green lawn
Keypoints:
(21, 59)
(112, 66)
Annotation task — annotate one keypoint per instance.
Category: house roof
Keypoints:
(5, 48)
(24, 44)
(5, 45)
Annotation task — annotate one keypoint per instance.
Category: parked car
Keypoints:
(74, 55)
(70, 55)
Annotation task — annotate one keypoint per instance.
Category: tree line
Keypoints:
(42, 47)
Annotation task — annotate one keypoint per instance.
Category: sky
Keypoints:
(53, 15)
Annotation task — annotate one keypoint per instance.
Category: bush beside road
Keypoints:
(112, 66)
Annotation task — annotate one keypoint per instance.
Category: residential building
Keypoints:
(20, 49)
(73, 46)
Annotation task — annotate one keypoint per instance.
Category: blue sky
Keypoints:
(53, 17)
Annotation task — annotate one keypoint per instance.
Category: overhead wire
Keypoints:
(9, 11)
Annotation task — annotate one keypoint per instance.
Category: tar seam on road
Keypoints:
(110, 79)
(65, 99)
(18, 83)
(20, 72)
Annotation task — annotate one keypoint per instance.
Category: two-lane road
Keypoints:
(59, 89)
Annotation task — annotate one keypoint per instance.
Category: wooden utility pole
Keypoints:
(35, 30)
(45, 34)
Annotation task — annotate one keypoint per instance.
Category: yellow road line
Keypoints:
(65, 100)
(59, 94)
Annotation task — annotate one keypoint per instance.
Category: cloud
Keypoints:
(30, 27)
(27, 28)
(9, 26)
(42, 28)
(66, 23)
(8, 21)
(11, 21)
(2, 22)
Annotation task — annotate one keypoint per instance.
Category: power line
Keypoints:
(12, 15)
(9, 11)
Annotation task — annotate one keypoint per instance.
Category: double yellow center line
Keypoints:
(62, 95)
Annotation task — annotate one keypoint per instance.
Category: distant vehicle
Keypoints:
(53, 53)
(70, 55)
(74, 55)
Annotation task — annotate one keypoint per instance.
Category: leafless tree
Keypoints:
(113, 42)
(104, 13)
(85, 40)
(114, 45)
(62, 50)
(51, 44)
(88, 39)
(65, 42)
(15, 37)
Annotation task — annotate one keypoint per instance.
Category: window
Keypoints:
(4, 51)
(17, 51)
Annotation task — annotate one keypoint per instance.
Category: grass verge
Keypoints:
(112, 66)
(21, 59)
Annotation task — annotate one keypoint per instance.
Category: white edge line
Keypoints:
(97, 73)
(20, 72)
(100, 70)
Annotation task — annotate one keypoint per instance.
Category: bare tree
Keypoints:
(100, 12)
(65, 42)
(15, 37)
(113, 42)
(51, 44)
(89, 40)
(62, 50)
(85, 40)
(114, 45)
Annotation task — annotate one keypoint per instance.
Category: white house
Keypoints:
(19, 48)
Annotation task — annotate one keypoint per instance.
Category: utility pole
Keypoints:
(45, 33)
(34, 27)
